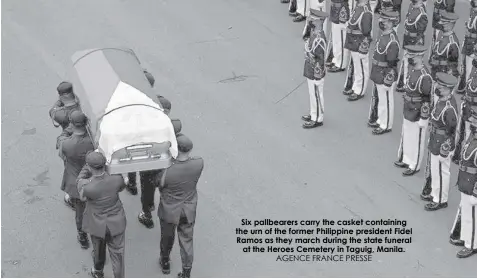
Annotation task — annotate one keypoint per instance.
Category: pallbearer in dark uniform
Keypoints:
(442, 141)
(178, 206)
(468, 52)
(339, 15)
(104, 217)
(415, 27)
(464, 230)
(60, 116)
(440, 6)
(384, 75)
(358, 40)
(418, 88)
(470, 99)
(390, 6)
(314, 71)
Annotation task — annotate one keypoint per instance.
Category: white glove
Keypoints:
(473, 200)
(126, 178)
(442, 159)
(422, 123)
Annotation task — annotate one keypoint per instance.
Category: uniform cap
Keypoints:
(446, 79)
(177, 124)
(415, 49)
(184, 144)
(78, 118)
(392, 15)
(165, 103)
(449, 17)
(150, 78)
(316, 14)
(65, 87)
(95, 160)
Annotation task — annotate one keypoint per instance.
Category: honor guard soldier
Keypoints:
(104, 217)
(441, 143)
(314, 71)
(358, 40)
(389, 6)
(440, 6)
(470, 99)
(445, 51)
(415, 27)
(60, 115)
(384, 75)
(73, 149)
(464, 230)
(418, 88)
(470, 41)
(339, 15)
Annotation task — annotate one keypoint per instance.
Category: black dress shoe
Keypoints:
(184, 274)
(348, 92)
(354, 97)
(146, 220)
(456, 242)
(312, 124)
(426, 197)
(409, 172)
(373, 124)
(400, 164)
(466, 252)
(380, 131)
(306, 117)
(299, 18)
(132, 189)
(165, 265)
(96, 274)
(335, 69)
(285, 1)
(433, 206)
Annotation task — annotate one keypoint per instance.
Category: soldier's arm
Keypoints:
(453, 58)
(421, 24)
(55, 106)
(306, 31)
(426, 91)
(85, 173)
(320, 59)
(451, 120)
(392, 55)
(367, 24)
(64, 136)
(80, 185)
(450, 6)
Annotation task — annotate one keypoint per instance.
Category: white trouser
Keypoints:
(360, 72)
(468, 66)
(403, 70)
(413, 144)
(468, 229)
(440, 175)
(341, 55)
(315, 89)
(385, 106)
(301, 7)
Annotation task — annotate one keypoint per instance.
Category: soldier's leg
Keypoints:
(99, 253)
(292, 8)
(300, 10)
(361, 75)
(313, 100)
(340, 54)
(403, 69)
(400, 157)
(116, 253)
(348, 88)
(463, 75)
(131, 187)
(148, 188)
(373, 4)
(82, 236)
(440, 182)
(455, 233)
(185, 234)
(168, 233)
(373, 108)
(410, 142)
(469, 227)
(421, 139)
(385, 107)
(427, 189)
(319, 86)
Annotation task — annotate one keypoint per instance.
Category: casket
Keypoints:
(126, 122)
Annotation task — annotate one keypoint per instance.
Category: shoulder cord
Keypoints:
(469, 85)
(416, 19)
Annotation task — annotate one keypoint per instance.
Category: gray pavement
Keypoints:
(260, 163)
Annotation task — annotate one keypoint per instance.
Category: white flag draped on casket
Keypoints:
(119, 101)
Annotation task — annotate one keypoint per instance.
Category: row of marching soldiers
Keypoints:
(429, 92)
(94, 194)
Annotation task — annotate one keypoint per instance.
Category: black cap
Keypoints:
(177, 124)
(316, 14)
(95, 160)
(391, 15)
(78, 118)
(184, 144)
(165, 103)
(446, 80)
(65, 87)
(415, 49)
(448, 17)
(150, 78)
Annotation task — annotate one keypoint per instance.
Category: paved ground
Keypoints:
(260, 163)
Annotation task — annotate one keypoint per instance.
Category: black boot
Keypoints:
(165, 265)
(83, 240)
(96, 273)
(146, 220)
(132, 189)
(184, 274)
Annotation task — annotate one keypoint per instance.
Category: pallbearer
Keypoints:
(440, 6)
(464, 231)
(358, 40)
(339, 15)
(470, 41)
(418, 88)
(441, 143)
(415, 27)
(384, 75)
(315, 50)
